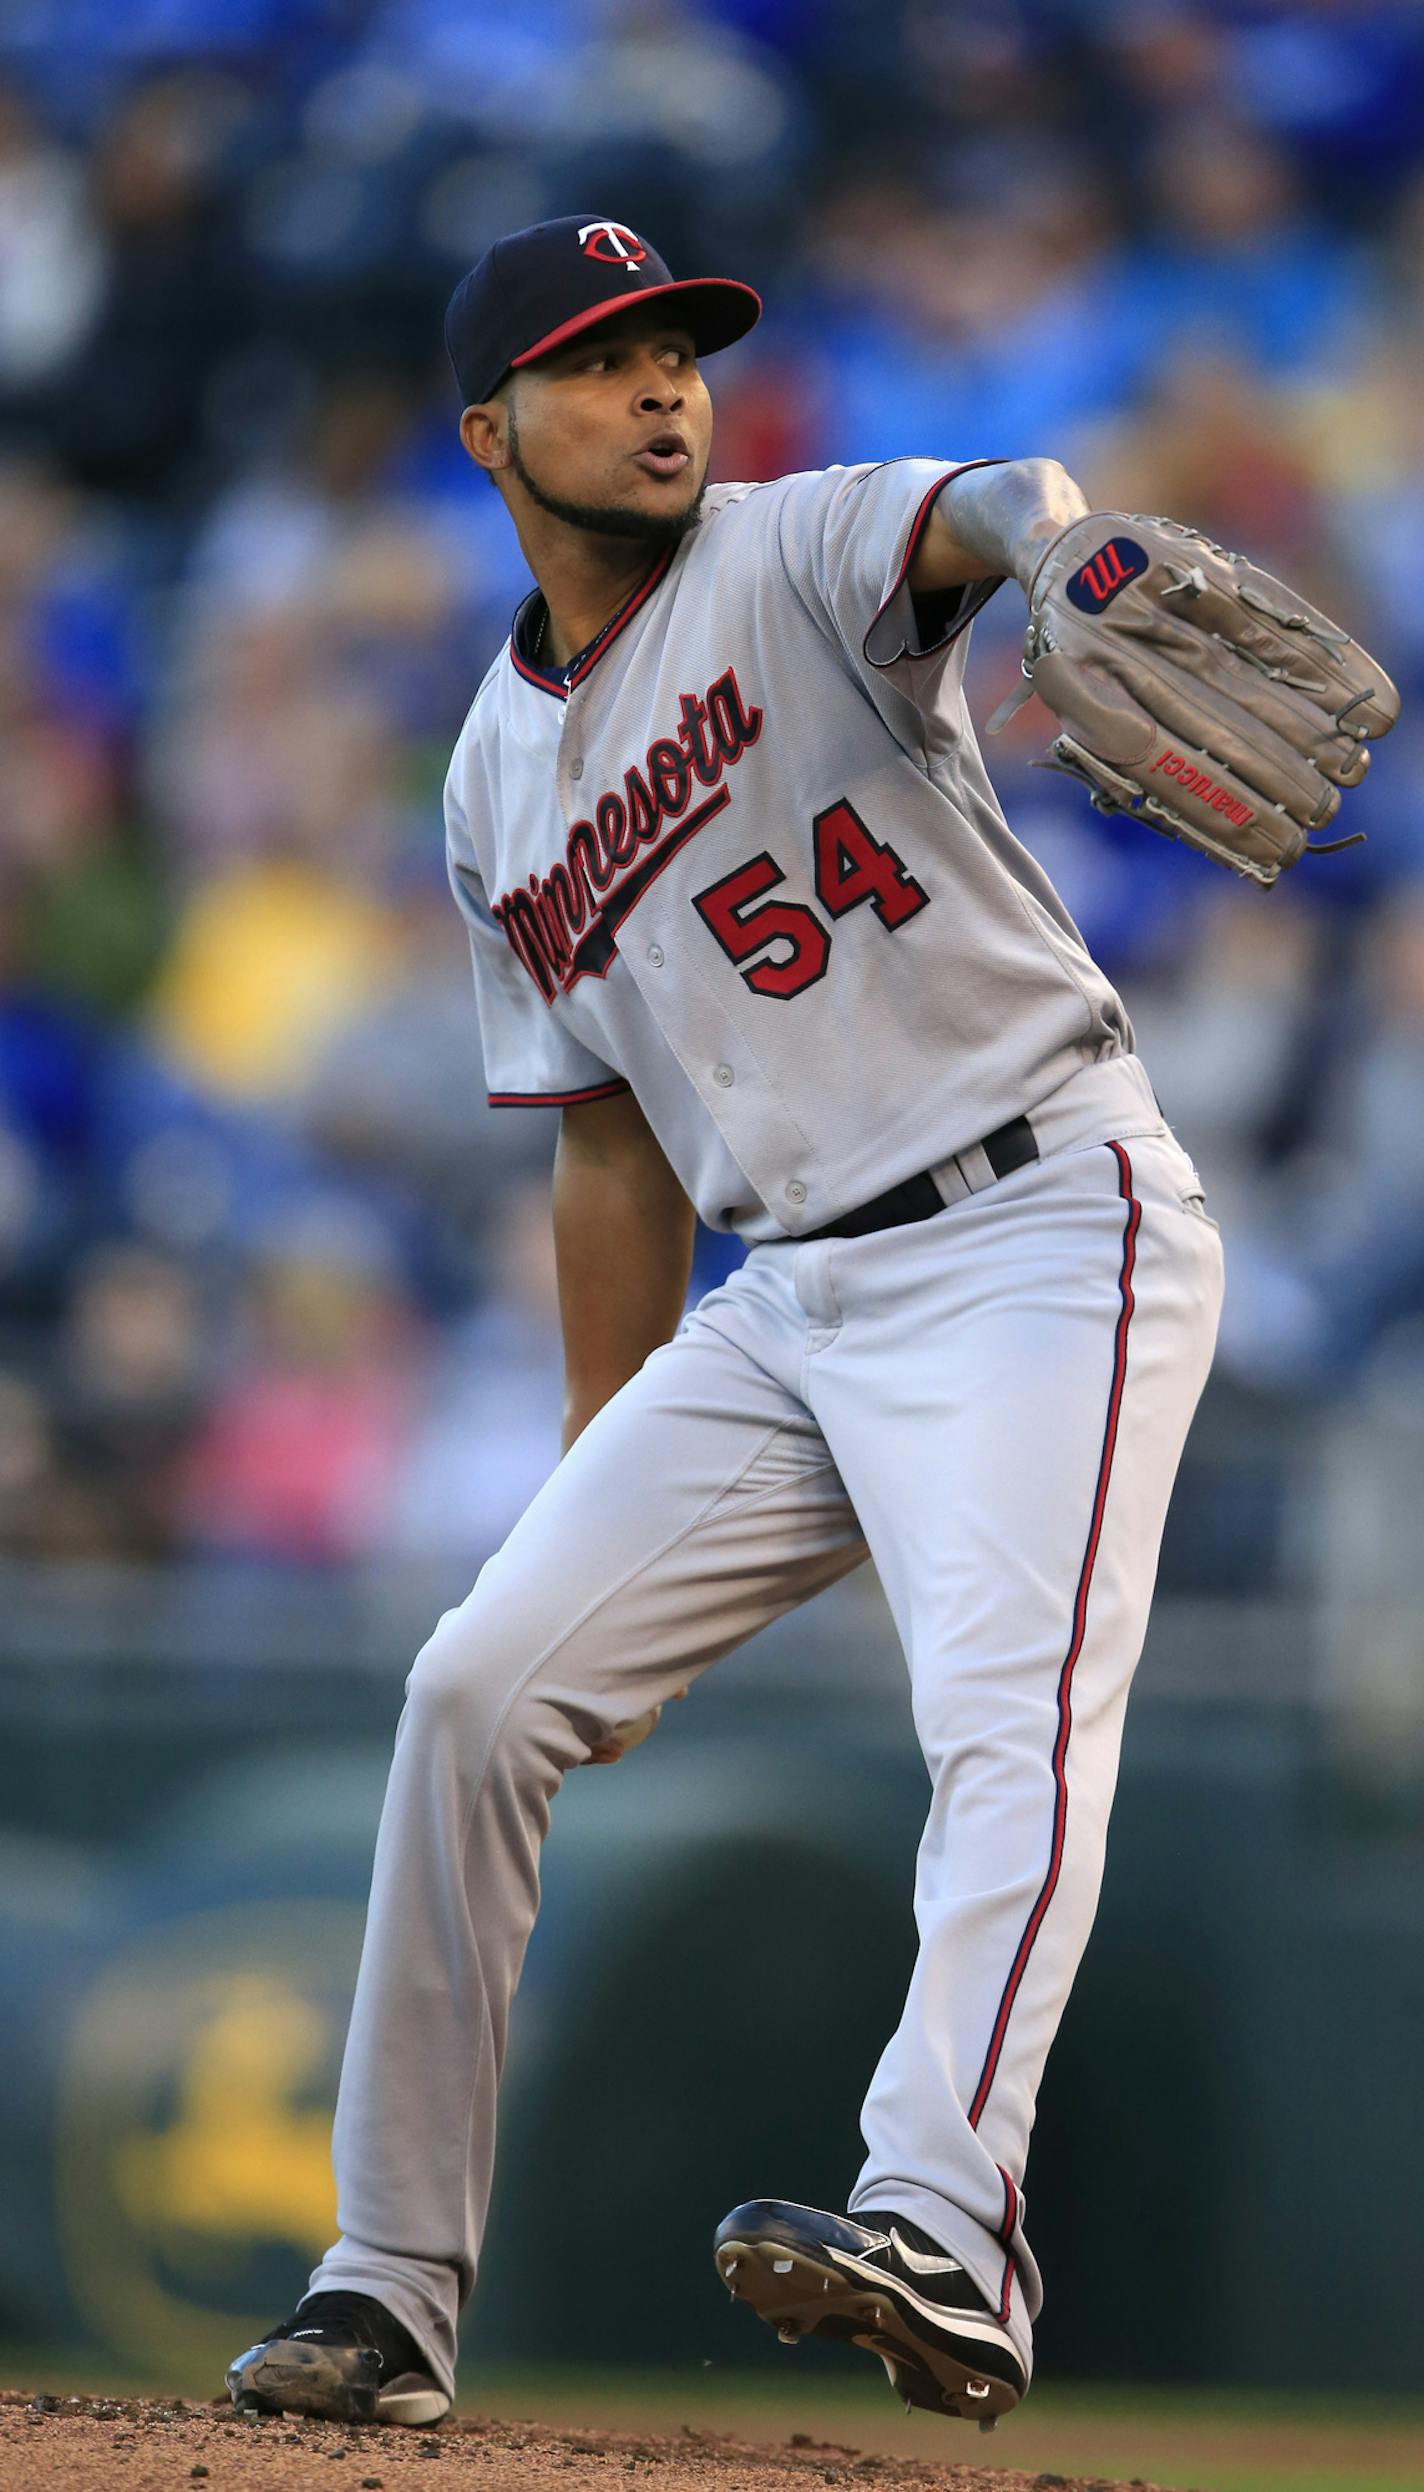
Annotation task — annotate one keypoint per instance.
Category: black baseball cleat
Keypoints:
(341, 2355)
(883, 2284)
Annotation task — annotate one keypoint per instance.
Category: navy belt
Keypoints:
(1009, 1147)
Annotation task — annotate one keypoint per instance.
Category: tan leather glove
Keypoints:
(1198, 693)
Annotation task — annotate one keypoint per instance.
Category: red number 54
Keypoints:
(852, 866)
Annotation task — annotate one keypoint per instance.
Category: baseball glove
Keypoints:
(1197, 693)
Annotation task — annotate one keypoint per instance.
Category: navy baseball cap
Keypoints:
(534, 289)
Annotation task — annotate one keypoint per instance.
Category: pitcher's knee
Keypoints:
(972, 1721)
(465, 1673)
(473, 1682)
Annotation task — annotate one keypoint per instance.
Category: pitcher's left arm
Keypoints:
(993, 523)
(1193, 690)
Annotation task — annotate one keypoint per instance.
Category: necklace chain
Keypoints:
(587, 652)
(592, 645)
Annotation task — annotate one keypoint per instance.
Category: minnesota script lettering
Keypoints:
(561, 924)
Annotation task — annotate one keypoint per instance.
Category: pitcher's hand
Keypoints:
(626, 1735)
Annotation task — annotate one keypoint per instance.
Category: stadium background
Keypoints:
(278, 1349)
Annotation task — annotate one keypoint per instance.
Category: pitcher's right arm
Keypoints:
(623, 1231)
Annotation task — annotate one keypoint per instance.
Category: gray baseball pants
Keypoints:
(993, 1403)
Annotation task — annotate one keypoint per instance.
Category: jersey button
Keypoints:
(796, 1192)
(723, 1076)
(656, 955)
(575, 769)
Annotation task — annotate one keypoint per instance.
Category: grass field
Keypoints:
(1212, 2441)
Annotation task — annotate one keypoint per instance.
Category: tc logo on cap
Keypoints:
(617, 243)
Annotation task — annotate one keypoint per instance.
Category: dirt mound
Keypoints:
(127, 2444)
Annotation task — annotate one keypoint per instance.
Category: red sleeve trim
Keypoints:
(979, 591)
(555, 1098)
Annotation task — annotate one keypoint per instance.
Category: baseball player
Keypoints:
(744, 908)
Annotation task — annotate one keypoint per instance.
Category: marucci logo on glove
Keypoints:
(1096, 582)
(1196, 782)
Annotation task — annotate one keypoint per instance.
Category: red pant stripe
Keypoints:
(1006, 2234)
(1080, 1619)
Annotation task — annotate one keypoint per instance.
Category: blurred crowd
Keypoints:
(275, 1284)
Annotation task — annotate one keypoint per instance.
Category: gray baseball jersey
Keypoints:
(747, 860)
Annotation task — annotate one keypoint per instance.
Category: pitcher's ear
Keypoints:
(484, 430)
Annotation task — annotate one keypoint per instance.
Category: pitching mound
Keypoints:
(123, 2444)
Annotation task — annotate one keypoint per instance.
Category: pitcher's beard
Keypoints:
(610, 518)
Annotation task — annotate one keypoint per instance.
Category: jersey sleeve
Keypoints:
(531, 1060)
(848, 538)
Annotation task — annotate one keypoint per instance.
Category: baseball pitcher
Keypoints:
(745, 910)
